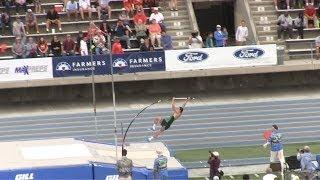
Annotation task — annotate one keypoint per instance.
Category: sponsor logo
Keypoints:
(193, 57)
(86, 65)
(120, 63)
(63, 66)
(248, 53)
(4, 70)
(144, 62)
(26, 176)
(26, 70)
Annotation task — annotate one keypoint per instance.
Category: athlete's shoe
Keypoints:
(152, 129)
(149, 139)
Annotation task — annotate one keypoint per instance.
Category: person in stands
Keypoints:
(305, 158)
(56, 46)
(218, 36)
(31, 48)
(140, 16)
(310, 15)
(284, 25)
(72, 8)
(158, 16)
(18, 49)
(225, 36)
(99, 41)
(173, 5)
(122, 33)
(141, 30)
(154, 33)
(166, 41)
(209, 40)
(53, 19)
(43, 47)
(31, 21)
(104, 8)
(242, 34)
(21, 4)
(195, 41)
(299, 24)
(37, 6)
(5, 21)
(116, 46)
(84, 46)
(128, 6)
(145, 45)
(68, 46)
(85, 6)
(18, 29)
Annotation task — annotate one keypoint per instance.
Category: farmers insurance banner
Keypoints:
(25, 69)
(207, 58)
(132, 62)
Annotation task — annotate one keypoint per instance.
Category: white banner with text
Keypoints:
(26, 69)
(207, 58)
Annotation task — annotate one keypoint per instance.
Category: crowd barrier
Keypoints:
(132, 62)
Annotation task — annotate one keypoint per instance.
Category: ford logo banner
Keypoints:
(193, 57)
(248, 53)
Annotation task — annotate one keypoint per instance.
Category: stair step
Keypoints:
(175, 13)
(270, 12)
(262, 8)
(261, 3)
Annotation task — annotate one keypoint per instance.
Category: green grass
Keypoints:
(241, 152)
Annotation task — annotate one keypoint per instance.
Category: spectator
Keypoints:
(214, 163)
(8, 5)
(124, 166)
(225, 36)
(21, 4)
(140, 16)
(18, 29)
(305, 158)
(43, 47)
(99, 41)
(151, 3)
(141, 30)
(195, 41)
(137, 4)
(299, 24)
(160, 166)
(127, 5)
(105, 29)
(79, 38)
(31, 21)
(166, 41)
(123, 33)
(84, 6)
(5, 21)
(123, 16)
(145, 45)
(53, 18)
(154, 32)
(72, 8)
(242, 34)
(284, 24)
(31, 48)
(68, 46)
(56, 46)
(218, 36)
(209, 40)
(317, 44)
(104, 8)
(83, 46)
(269, 175)
(276, 147)
(158, 16)
(92, 30)
(18, 49)
(37, 6)
(310, 14)
(116, 46)
(173, 4)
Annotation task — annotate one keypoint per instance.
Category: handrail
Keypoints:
(251, 23)
(192, 16)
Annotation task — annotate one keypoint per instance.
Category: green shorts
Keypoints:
(166, 123)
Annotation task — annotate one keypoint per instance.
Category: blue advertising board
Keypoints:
(131, 62)
(80, 65)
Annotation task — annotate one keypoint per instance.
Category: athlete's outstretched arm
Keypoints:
(173, 104)
(185, 103)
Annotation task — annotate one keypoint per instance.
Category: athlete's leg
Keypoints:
(156, 121)
(157, 133)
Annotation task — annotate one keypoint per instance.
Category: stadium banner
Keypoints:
(26, 69)
(224, 57)
(66, 66)
(131, 62)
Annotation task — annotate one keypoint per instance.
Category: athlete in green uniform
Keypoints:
(165, 123)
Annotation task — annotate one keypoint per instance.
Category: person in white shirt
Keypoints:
(195, 41)
(72, 8)
(269, 175)
(158, 16)
(83, 47)
(242, 34)
(84, 6)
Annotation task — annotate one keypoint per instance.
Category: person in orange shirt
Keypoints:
(138, 4)
(116, 46)
(154, 32)
(140, 16)
(127, 4)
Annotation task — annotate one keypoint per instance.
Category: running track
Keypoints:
(199, 127)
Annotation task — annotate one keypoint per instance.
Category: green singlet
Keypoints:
(166, 122)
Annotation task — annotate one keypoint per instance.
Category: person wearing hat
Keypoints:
(218, 37)
(158, 16)
(305, 158)
(214, 163)
(160, 166)
(276, 146)
(31, 21)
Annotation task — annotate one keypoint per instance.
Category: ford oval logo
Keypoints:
(193, 56)
(248, 53)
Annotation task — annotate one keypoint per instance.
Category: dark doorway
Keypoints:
(210, 14)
